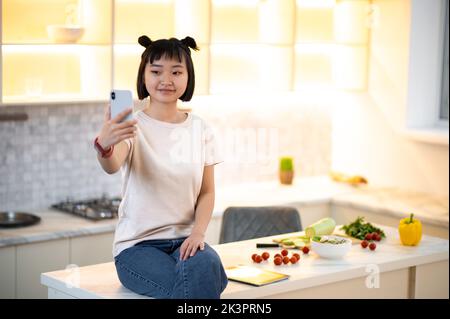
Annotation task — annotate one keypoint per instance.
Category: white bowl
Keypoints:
(332, 251)
(65, 33)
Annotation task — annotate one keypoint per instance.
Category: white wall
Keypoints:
(367, 127)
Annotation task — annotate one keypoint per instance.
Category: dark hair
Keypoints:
(170, 48)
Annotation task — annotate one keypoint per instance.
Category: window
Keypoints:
(444, 93)
(427, 97)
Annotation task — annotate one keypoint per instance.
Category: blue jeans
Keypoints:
(152, 268)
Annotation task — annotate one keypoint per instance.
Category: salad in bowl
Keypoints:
(331, 247)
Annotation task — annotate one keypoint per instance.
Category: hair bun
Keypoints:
(144, 41)
(190, 43)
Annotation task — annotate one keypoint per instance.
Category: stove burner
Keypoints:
(95, 209)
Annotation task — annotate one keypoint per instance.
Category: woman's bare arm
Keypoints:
(113, 133)
(112, 164)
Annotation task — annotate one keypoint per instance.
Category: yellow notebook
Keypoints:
(254, 276)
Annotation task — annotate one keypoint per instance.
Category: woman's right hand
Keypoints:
(114, 131)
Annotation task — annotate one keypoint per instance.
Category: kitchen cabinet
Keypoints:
(26, 21)
(155, 17)
(244, 14)
(429, 281)
(307, 42)
(93, 249)
(7, 273)
(313, 45)
(395, 286)
(352, 21)
(86, 68)
(213, 231)
(260, 41)
(36, 67)
(22, 265)
(33, 259)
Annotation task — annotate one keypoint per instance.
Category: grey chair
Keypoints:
(241, 223)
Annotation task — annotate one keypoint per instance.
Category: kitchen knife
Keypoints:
(267, 245)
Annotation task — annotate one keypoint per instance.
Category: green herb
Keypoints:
(317, 238)
(359, 229)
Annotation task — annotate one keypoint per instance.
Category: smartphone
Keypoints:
(120, 101)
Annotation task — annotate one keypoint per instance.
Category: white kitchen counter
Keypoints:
(305, 191)
(55, 225)
(404, 272)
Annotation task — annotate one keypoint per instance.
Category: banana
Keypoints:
(343, 178)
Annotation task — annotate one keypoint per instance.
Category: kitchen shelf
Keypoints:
(313, 65)
(36, 67)
(126, 64)
(254, 68)
(76, 70)
(152, 18)
(253, 46)
(314, 24)
(244, 15)
(26, 21)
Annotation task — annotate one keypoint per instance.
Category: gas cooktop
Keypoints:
(95, 209)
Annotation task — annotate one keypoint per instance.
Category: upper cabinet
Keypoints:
(50, 21)
(251, 46)
(133, 18)
(352, 20)
(55, 50)
(77, 50)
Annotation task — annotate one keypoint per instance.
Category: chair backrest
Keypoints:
(241, 223)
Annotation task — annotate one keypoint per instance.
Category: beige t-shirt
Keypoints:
(162, 177)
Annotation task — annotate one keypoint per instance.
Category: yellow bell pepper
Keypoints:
(410, 231)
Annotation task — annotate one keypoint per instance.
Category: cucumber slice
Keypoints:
(299, 243)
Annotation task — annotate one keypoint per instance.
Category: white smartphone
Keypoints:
(121, 100)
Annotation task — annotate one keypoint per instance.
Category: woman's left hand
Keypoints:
(191, 244)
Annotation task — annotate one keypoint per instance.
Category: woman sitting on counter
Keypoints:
(167, 195)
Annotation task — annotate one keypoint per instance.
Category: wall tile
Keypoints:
(50, 157)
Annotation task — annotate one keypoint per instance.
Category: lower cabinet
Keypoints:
(7, 273)
(431, 280)
(90, 250)
(36, 258)
(21, 266)
(213, 231)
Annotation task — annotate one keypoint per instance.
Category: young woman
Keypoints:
(167, 160)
